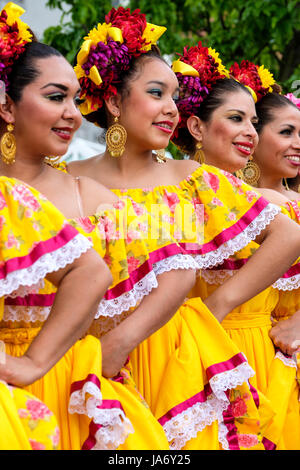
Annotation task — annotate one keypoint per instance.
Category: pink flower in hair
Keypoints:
(293, 99)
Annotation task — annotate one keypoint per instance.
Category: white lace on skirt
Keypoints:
(114, 425)
(47, 263)
(186, 425)
(287, 361)
(230, 379)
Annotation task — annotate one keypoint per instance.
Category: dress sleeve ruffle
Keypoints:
(289, 281)
(233, 213)
(35, 238)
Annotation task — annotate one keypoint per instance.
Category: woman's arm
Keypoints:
(81, 286)
(280, 247)
(155, 310)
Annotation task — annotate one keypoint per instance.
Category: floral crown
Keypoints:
(108, 50)
(256, 78)
(197, 70)
(14, 35)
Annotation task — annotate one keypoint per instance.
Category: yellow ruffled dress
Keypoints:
(193, 376)
(248, 326)
(94, 412)
(28, 252)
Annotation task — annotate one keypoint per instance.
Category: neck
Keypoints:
(272, 182)
(130, 163)
(28, 171)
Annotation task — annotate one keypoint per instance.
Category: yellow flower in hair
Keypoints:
(266, 77)
(13, 13)
(102, 32)
(151, 34)
(221, 68)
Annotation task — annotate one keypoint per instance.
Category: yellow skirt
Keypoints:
(195, 380)
(92, 411)
(26, 423)
(274, 379)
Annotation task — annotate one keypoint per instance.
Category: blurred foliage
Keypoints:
(263, 31)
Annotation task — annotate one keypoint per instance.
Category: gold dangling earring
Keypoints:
(8, 146)
(199, 154)
(160, 156)
(115, 138)
(251, 173)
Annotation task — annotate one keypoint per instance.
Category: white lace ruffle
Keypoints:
(287, 284)
(217, 277)
(185, 426)
(47, 263)
(287, 361)
(25, 290)
(28, 314)
(239, 241)
(178, 261)
(112, 307)
(230, 379)
(115, 426)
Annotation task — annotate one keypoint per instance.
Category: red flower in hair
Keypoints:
(247, 74)
(132, 25)
(199, 58)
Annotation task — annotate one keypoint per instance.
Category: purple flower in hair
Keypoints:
(110, 58)
(191, 94)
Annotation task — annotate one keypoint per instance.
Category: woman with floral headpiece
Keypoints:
(92, 411)
(224, 120)
(187, 370)
(37, 243)
(277, 158)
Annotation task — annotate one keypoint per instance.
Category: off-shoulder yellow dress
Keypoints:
(193, 376)
(94, 412)
(31, 246)
(248, 326)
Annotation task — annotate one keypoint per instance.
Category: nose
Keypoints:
(170, 107)
(296, 141)
(250, 130)
(71, 112)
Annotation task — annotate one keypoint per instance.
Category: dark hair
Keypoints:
(267, 105)
(216, 98)
(99, 117)
(24, 70)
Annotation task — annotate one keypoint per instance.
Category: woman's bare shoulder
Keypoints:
(82, 167)
(273, 196)
(183, 168)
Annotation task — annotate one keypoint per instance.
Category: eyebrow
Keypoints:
(288, 125)
(157, 82)
(243, 113)
(57, 85)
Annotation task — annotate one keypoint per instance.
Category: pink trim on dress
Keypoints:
(66, 234)
(200, 397)
(221, 367)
